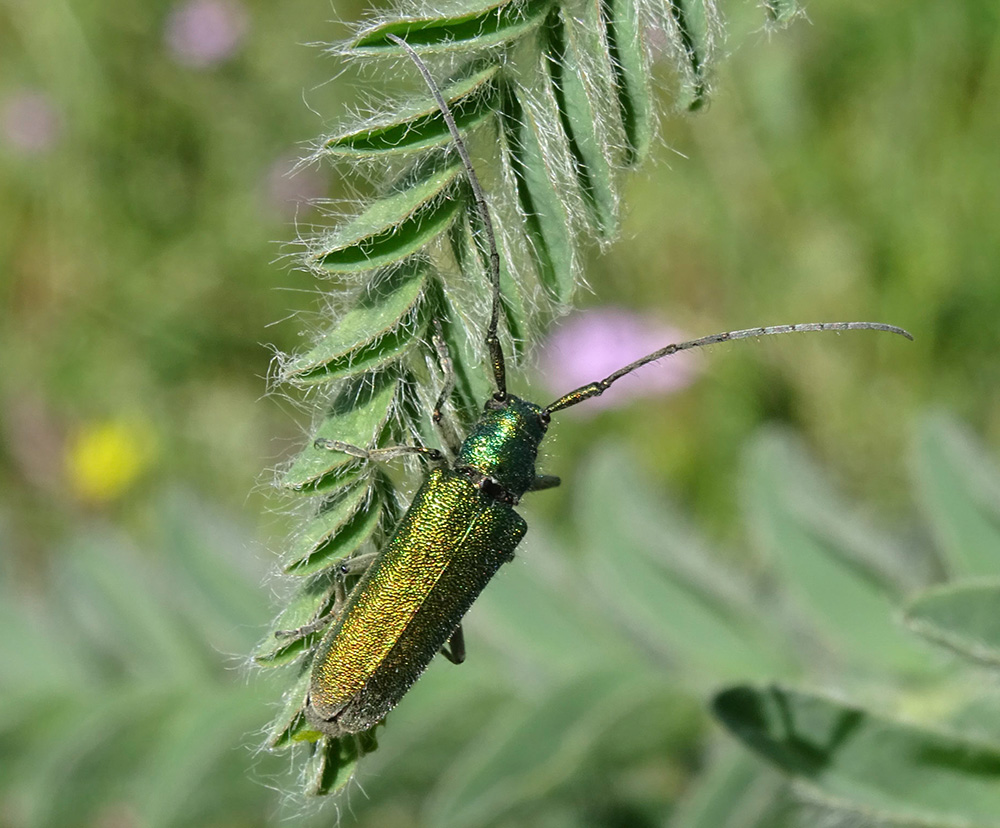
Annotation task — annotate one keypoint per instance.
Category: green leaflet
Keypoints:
(311, 601)
(531, 749)
(338, 531)
(290, 721)
(850, 600)
(960, 494)
(867, 763)
(781, 12)
(591, 57)
(357, 416)
(473, 260)
(98, 703)
(341, 527)
(661, 601)
(964, 616)
(565, 47)
(205, 564)
(625, 38)
(546, 221)
(389, 348)
(383, 324)
(692, 31)
(333, 761)
(479, 28)
(199, 741)
(395, 226)
(546, 624)
(734, 791)
(471, 100)
(326, 526)
(472, 384)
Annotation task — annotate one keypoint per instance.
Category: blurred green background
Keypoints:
(847, 168)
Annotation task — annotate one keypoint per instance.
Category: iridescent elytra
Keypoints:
(460, 527)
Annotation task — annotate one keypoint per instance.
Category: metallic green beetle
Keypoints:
(459, 529)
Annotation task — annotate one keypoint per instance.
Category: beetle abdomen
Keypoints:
(447, 547)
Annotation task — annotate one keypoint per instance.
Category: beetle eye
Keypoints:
(545, 417)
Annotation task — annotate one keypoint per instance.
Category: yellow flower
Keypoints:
(106, 458)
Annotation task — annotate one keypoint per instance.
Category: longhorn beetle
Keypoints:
(460, 527)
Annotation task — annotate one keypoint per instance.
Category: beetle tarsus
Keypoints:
(454, 650)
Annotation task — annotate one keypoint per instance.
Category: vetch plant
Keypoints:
(562, 88)
(411, 331)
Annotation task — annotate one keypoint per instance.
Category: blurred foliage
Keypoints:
(583, 700)
(845, 169)
(139, 248)
(853, 158)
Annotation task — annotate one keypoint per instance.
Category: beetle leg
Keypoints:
(322, 619)
(377, 454)
(351, 566)
(336, 591)
(454, 650)
(359, 563)
(447, 368)
(308, 629)
(444, 426)
(543, 481)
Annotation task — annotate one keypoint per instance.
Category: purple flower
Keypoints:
(29, 122)
(201, 33)
(595, 343)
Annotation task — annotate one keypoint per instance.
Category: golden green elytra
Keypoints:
(459, 529)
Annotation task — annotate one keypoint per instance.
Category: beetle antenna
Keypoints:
(595, 389)
(492, 340)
